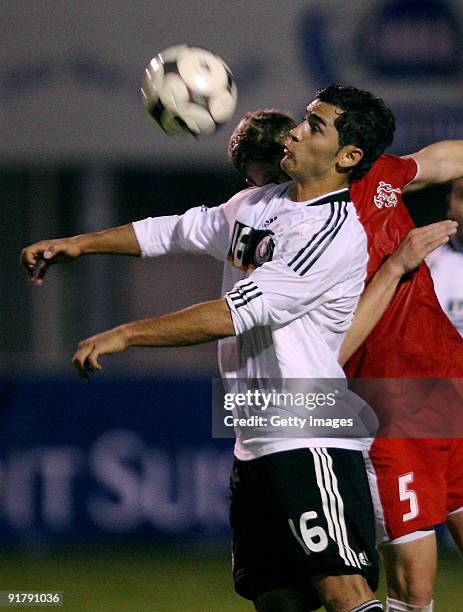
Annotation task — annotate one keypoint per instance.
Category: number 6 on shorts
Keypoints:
(313, 538)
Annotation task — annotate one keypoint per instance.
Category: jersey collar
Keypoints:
(341, 195)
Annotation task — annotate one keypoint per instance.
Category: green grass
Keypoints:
(160, 580)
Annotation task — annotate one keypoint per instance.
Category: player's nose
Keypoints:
(294, 134)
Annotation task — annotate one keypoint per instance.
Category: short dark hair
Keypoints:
(366, 123)
(259, 137)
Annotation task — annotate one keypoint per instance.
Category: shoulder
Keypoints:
(382, 187)
(330, 228)
(392, 170)
(330, 218)
(393, 163)
(239, 201)
(253, 195)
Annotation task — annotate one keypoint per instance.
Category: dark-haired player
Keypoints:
(113, 241)
(285, 311)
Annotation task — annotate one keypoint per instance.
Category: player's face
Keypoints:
(312, 147)
(261, 173)
(456, 204)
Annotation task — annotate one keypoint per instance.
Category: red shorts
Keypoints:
(415, 483)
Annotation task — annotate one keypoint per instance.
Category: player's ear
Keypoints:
(349, 156)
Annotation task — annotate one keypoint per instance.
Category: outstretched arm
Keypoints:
(195, 325)
(37, 257)
(418, 243)
(200, 230)
(438, 163)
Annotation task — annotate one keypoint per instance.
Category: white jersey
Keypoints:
(446, 265)
(293, 274)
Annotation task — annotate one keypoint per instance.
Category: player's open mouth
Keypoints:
(287, 152)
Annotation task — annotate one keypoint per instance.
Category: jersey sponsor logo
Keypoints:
(268, 222)
(250, 248)
(386, 195)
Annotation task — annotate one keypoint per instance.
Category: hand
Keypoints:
(418, 243)
(85, 358)
(37, 257)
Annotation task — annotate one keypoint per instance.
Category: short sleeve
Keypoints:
(410, 169)
(200, 229)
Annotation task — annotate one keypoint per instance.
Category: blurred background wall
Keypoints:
(131, 454)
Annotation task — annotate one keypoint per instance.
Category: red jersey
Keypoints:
(414, 338)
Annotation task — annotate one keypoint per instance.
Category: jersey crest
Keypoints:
(250, 248)
(386, 195)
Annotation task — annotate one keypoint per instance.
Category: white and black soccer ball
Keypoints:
(188, 90)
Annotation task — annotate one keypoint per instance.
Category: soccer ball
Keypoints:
(188, 90)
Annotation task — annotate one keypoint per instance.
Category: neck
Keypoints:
(457, 240)
(314, 189)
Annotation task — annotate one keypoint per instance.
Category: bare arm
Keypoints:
(377, 296)
(37, 257)
(194, 325)
(438, 163)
